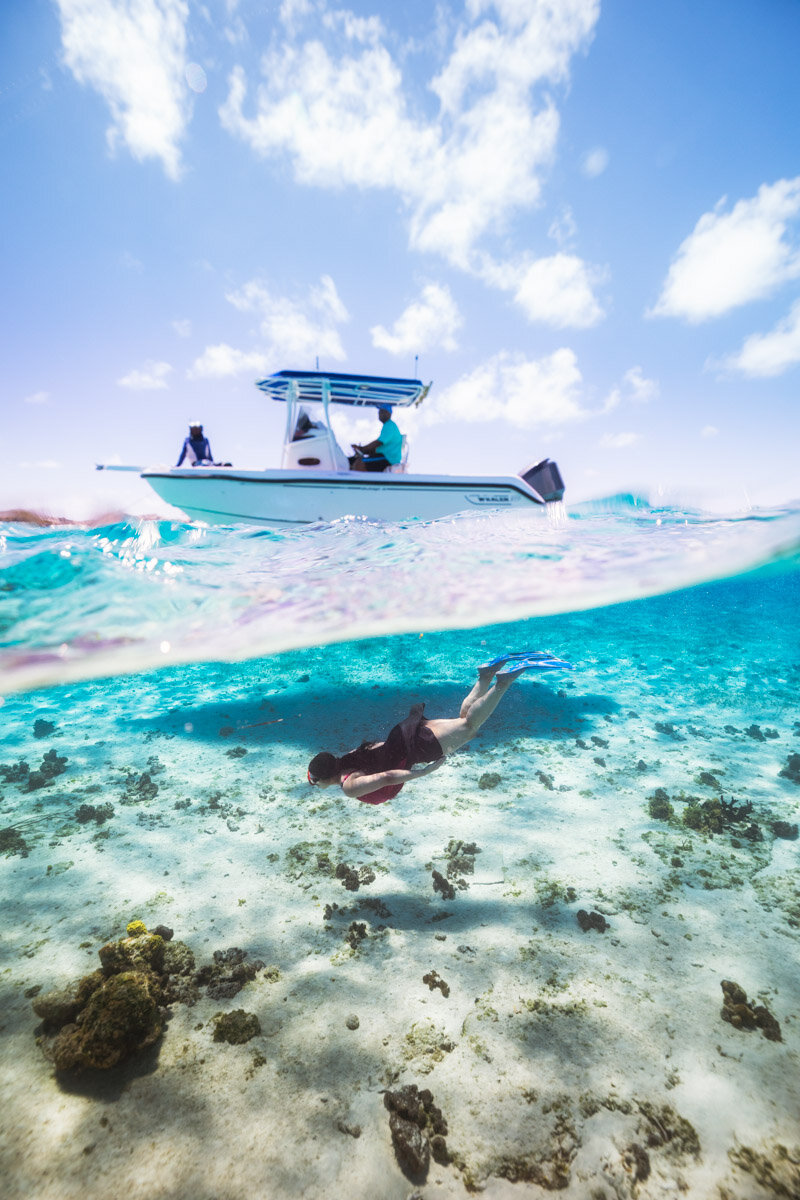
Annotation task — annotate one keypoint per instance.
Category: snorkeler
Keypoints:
(376, 771)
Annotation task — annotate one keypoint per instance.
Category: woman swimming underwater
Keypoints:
(376, 771)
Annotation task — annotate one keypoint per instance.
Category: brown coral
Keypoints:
(738, 1012)
(418, 1130)
(121, 1017)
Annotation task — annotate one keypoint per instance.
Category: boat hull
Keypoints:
(281, 497)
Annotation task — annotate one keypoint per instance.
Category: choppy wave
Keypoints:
(79, 602)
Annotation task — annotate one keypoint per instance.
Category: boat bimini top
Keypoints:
(332, 388)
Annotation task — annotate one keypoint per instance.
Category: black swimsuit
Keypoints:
(406, 744)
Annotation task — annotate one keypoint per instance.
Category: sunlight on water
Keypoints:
(84, 602)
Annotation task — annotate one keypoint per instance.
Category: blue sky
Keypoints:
(582, 217)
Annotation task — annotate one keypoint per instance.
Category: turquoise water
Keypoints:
(215, 663)
(78, 602)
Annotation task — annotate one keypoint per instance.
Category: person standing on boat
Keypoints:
(196, 448)
(385, 451)
(376, 771)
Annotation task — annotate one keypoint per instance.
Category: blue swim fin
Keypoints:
(540, 661)
(512, 656)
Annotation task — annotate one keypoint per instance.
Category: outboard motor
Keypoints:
(545, 478)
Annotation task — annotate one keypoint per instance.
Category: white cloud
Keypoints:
(296, 330)
(525, 392)
(133, 52)
(196, 77)
(37, 398)
(619, 441)
(341, 115)
(291, 332)
(563, 229)
(222, 360)
(292, 12)
(558, 291)
(732, 258)
(595, 162)
(151, 377)
(432, 320)
(183, 327)
(709, 431)
(235, 32)
(367, 30)
(130, 262)
(639, 389)
(635, 388)
(765, 355)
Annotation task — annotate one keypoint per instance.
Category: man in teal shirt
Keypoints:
(385, 451)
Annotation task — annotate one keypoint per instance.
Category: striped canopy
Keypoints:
(376, 390)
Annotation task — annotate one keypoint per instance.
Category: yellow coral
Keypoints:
(135, 928)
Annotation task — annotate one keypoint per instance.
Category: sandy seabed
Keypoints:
(595, 1063)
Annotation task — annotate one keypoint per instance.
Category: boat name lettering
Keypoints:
(488, 498)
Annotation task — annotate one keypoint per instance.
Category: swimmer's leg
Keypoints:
(476, 709)
(485, 676)
(487, 701)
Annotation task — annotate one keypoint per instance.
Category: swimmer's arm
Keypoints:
(362, 785)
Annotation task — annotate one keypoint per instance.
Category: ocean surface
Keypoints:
(163, 688)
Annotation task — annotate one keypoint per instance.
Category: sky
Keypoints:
(579, 219)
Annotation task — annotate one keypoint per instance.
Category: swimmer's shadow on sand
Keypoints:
(470, 911)
(304, 715)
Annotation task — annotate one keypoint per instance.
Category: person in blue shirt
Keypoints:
(385, 451)
(196, 448)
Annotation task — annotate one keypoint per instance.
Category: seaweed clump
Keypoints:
(353, 877)
(591, 920)
(356, 934)
(236, 1027)
(19, 773)
(792, 769)
(418, 1131)
(777, 1170)
(139, 789)
(659, 806)
(99, 813)
(460, 861)
(228, 972)
(12, 842)
(440, 884)
(738, 1012)
(668, 1129)
(715, 816)
(434, 980)
(460, 857)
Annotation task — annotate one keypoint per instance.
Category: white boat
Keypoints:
(315, 482)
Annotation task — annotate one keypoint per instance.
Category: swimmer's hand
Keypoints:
(426, 768)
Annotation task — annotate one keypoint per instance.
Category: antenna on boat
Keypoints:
(416, 361)
(317, 361)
